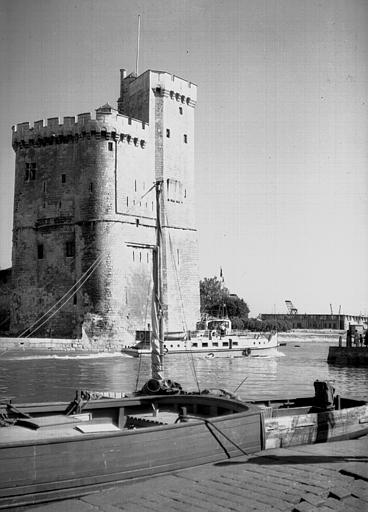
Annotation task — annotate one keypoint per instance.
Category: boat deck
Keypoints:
(59, 427)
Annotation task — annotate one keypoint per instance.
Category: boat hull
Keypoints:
(44, 469)
(237, 345)
(295, 428)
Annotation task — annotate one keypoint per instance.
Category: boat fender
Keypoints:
(166, 350)
(246, 352)
(161, 387)
(152, 387)
(214, 334)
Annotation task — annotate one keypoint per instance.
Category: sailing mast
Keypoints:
(157, 342)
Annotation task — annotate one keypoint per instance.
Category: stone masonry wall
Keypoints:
(84, 206)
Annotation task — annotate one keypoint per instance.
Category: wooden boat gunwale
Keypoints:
(239, 410)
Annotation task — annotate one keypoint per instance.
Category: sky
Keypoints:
(281, 126)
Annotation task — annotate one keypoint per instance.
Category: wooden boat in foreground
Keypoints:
(322, 418)
(53, 451)
(48, 453)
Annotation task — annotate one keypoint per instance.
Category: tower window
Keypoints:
(181, 111)
(30, 172)
(185, 138)
(110, 146)
(70, 249)
(63, 178)
(168, 133)
(91, 187)
(32, 175)
(174, 190)
(44, 186)
(40, 251)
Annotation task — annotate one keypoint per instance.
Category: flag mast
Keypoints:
(138, 38)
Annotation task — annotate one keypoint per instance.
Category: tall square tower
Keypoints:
(85, 215)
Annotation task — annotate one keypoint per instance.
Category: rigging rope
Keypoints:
(182, 309)
(73, 290)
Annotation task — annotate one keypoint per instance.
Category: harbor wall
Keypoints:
(100, 345)
(56, 345)
(357, 356)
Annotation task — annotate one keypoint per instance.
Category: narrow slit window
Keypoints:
(40, 251)
(63, 178)
(26, 172)
(32, 175)
(110, 146)
(181, 111)
(168, 133)
(70, 249)
(185, 138)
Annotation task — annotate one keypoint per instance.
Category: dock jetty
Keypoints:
(355, 351)
(309, 478)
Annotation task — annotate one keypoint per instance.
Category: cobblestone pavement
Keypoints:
(313, 478)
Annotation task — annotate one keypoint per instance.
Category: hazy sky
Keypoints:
(281, 126)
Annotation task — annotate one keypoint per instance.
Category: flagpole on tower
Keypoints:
(138, 38)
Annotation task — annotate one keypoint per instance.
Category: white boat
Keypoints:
(213, 338)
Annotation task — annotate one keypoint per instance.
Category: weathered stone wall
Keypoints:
(5, 294)
(83, 207)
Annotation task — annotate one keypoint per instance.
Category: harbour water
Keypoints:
(29, 376)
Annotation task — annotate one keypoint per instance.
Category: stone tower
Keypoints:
(85, 215)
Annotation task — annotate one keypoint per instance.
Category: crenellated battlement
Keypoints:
(105, 123)
(175, 87)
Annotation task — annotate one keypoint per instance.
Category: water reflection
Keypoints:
(28, 376)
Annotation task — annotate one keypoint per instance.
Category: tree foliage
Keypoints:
(216, 300)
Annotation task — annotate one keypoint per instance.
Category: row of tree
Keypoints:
(217, 301)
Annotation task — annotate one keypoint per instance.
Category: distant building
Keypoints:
(84, 203)
(316, 321)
